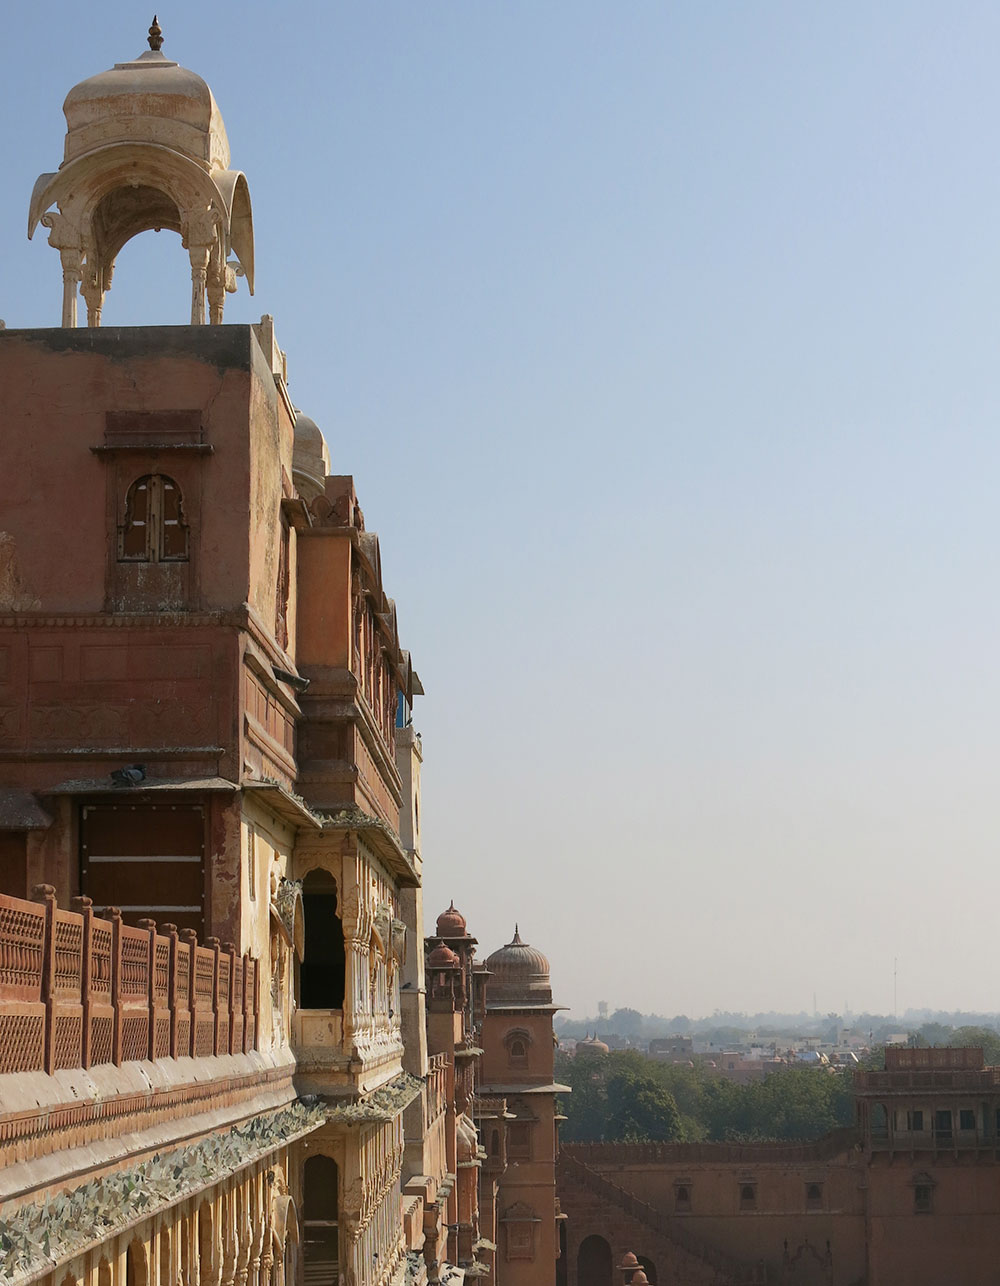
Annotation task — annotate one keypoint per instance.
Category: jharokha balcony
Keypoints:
(108, 1029)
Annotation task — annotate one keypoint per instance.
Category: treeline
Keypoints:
(626, 1097)
(729, 1028)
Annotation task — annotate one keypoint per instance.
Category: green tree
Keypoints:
(627, 1022)
(934, 1034)
(984, 1038)
(640, 1109)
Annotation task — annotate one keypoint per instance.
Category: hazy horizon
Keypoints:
(662, 344)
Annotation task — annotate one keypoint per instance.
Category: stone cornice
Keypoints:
(62, 1120)
(36, 1238)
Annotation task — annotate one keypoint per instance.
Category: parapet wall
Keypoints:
(78, 991)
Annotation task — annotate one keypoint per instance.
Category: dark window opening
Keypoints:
(519, 1141)
(154, 530)
(146, 859)
(814, 1195)
(320, 1212)
(966, 1119)
(748, 1196)
(323, 965)
(942, 1123)
(922, 1195)
(14, 864)
(682, 1197)
(915, 1120)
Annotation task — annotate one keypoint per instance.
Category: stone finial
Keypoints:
(155, 36)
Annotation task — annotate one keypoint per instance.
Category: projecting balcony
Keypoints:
(108, 1029)
(318, 1038)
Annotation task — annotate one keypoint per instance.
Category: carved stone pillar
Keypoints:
(199, 256)
(355, 987)
(72, 272)
(216, 289)
(93, 292)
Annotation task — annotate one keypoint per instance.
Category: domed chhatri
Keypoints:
(519, 975)
(451, 923)
(443, 957)
(145, 148)
(592, 1045)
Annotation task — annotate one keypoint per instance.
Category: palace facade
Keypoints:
(227, 1055)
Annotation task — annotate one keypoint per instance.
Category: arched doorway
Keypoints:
(135, 1264)
(323, 967)
(593, 1263)
(320, 1207)
(647, 1265)
(165, 1241)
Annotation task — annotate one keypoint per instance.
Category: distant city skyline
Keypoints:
(662, 343)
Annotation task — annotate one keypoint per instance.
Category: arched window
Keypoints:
(517, 1043)
(320, 1221)
(154, 530)
(323, 964)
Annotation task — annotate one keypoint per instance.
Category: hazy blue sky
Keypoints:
(662, 343)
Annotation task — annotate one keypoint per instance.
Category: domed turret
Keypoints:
(310, 458)
(451, 923)
(592, 1045)
(145, 148)
(442, 957)
(519, 975)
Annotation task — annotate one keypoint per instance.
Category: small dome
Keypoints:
(520, 974)
(442, 957)
(310, 458)
(639, 1278)
(591, 1045)
(629, 1260)
(451, 923)
(152, 95)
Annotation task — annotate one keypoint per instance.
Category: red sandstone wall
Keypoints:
(58, 387)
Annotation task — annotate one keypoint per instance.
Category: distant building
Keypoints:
(672, 1049)
(909, 1195)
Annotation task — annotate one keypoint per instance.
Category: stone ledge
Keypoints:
(53, 1128)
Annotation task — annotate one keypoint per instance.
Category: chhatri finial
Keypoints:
(155, 36)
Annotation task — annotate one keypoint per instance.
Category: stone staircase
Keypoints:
(682, 1259)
